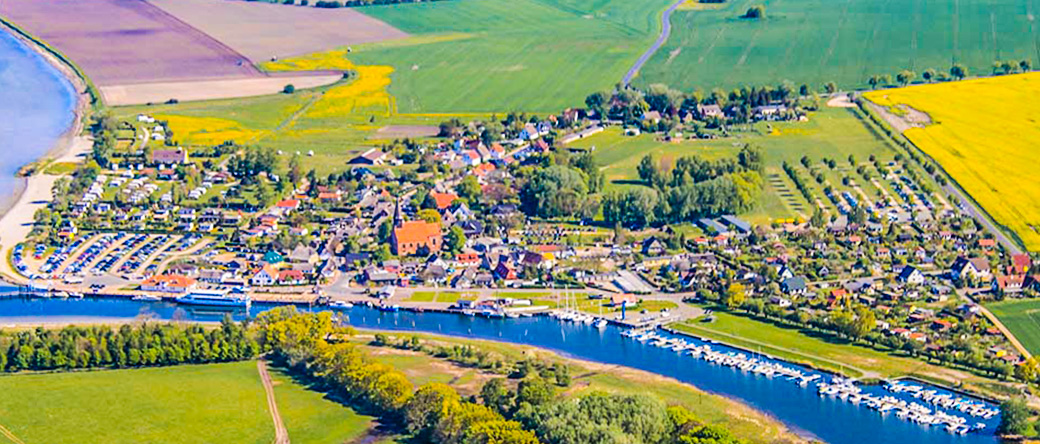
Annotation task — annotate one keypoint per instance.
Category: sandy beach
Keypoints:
(17, 220)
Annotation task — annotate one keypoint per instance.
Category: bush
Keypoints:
(755, 12)
(289, 89)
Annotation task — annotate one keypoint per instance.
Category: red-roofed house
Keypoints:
(444, 200)
(1021, 263)
(288, 204)
(171, 283)
(291, 277)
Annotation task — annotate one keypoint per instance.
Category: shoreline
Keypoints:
(19, 207)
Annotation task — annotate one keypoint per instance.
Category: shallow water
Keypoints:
(826, 418)
(37, 105)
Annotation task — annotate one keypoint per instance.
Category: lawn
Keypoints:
(979, 126)
(817, 41)
(184, 404)
(829, 353)
(1022, 317)
(831, 132)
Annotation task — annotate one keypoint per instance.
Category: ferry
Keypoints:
(214, 298)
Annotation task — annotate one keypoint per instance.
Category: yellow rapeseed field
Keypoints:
(367, 93)
(208, 130)
(986, 134)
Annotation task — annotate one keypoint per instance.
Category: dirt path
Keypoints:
(281, 436)
(11, 436)
(666, 30)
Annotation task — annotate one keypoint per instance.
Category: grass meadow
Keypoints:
(816, 41)
(979, 126)
(1022, 317)
(183, 404)
(832, 132)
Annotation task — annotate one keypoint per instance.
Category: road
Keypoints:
(1000, 325)
(666, 30)
(281, 435)
(974, 211)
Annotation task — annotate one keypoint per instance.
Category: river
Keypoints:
(37, 106)
(826, 418)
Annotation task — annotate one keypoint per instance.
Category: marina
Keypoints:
(816, 404)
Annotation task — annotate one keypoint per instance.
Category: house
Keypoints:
(409, 237)
(1021, 263)
(713, 110)
(505, 271)
(624, 300)
(170, 157)
(303, 254)
(471, 228)
(974, 268)
(288, 205)
(264, 276)
(273, 257)
(374, 156)
(1009, 284)
(170, 283)
(910, 276)
(794, 285)
(291, 277)
(652, 246)
(443, 200)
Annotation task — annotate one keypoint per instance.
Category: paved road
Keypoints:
(1010, 245)
(281, 436)
(666, 30)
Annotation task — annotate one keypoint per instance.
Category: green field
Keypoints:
(1022, 317)
(525, 55)
(185, 404)
(816, 41)
(832, 132)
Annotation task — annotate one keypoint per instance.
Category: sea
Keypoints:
(37, 107)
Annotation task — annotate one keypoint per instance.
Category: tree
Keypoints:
(755, 12)
(289, 89)
(905, 77)
(455, 241)
(430, 215)
(873, 81)
(497, 396)
(830, 87)
(735, 295)
(596, 102)
(1014, 417)
(430, 404)
(469, 188)
(557, 191)
(928, 75)
(648, 170)
(958, 71)
(534, 391)
(1025, 65)
(1027, 370)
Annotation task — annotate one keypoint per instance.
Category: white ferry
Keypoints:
(214, 298)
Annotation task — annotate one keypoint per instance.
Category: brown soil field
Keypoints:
(396, 131)
(127, 41)
(144, 93)
(263, 31)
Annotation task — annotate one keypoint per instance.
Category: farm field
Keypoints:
(831, 132)
(1022, 317)
(227, 404)
(508, 55)
(258, 29)
(817, 41)
(120, 42)
(978, 127)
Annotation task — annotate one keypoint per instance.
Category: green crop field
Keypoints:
(184, 404)
(832, 132)
(506, 55)
(847, 41)
(1022, 317)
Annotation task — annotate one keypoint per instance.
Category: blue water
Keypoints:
(37, 106)
(828, 419)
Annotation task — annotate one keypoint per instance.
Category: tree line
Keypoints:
(143, 345)
(692, 189)
(528, 412)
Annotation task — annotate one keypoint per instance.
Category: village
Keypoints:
(438, 225)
